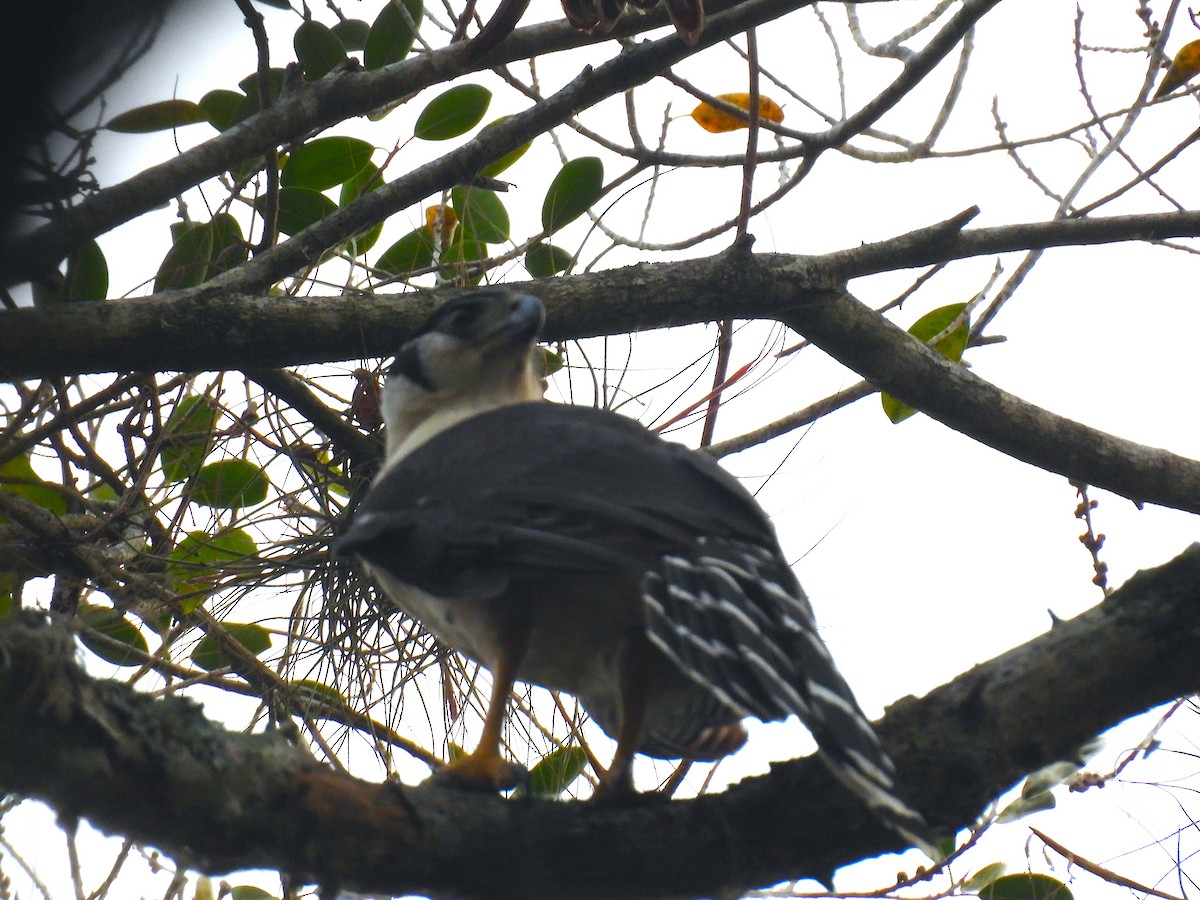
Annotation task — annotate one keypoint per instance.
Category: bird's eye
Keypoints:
(461, 319)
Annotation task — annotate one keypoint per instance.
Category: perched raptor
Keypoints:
(569, 547)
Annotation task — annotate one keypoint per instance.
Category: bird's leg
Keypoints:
(485, 769)
(637, 673)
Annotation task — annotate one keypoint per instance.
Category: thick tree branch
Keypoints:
(198, 330)
(156, 770)
(194, 331)
(888, 358)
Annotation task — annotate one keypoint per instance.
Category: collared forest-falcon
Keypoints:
(570, 547)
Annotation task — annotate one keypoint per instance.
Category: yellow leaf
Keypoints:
(1185, 66)
(449, 222)
(712, 119)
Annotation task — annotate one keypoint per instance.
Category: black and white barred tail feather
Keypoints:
(733, 617)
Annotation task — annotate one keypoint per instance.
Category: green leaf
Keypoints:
(352, 33)
(452, 113)
(102, 492)
(481, 214)
(392, 34)
(1026, 886)
(187, 436)
(229, 249)
(461, 254)
(934, 323)
(200, 560)
(230, 484)
(367, 179)
(17, 477)
(186, 263)
(158, 117)
(298, 208)
(249, 891)
(984, 877)
(208, 654)
(492, 169)
(317, 48)
(201, 251)
(574, 189)
(249, 86)
(549, 363)
(364, 182)
(87, 274)
(1026, 805)
(413, 251)
(223, 108)
(1048, 777)
(555, 772)
(86, 279)
(544, 260)
(110, 623)
(326, 162)
(951, 346)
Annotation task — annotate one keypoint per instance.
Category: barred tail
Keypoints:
(733, 618)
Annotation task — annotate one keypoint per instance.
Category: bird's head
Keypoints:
(472, 354)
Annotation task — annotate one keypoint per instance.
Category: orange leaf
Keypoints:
(717, 121)
(449, 222)
(1185, 66)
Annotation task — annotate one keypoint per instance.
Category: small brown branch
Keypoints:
(270, 212)
(363, 450)
(795, 420)
(1098, 870)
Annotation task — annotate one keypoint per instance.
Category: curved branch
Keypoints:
(894, 362)
(157, 771)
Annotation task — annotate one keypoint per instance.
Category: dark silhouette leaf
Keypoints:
(160, 116)
(574, 189)
(229, 484)
(317, 48)
(392, 34)
(452, 113)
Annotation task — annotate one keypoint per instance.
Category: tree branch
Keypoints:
(191, 331)
(157, 771)
(197, 330)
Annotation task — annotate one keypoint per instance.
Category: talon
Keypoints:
(482, 772)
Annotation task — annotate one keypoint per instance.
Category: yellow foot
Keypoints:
(484, 772)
